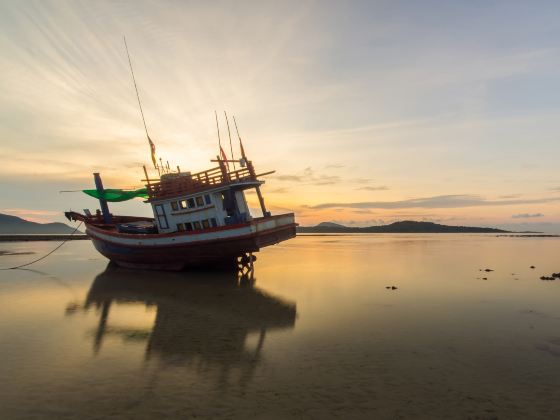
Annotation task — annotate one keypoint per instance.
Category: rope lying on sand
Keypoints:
(44, 256)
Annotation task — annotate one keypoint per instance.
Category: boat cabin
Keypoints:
(214, 198)
(212, 208)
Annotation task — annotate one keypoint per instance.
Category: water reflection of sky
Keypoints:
(316, 334)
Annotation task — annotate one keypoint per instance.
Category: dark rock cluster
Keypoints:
(554, 276)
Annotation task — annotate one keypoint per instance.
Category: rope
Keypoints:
(45, 256)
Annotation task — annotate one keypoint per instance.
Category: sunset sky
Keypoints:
(370, 111)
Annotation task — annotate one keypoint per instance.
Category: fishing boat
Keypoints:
(199, 219)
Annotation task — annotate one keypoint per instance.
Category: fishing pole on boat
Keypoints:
(230, 144)
(152, 145)
(222, 154)
(240, 143)
(218, 128)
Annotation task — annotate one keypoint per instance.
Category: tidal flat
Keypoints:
(344, 326)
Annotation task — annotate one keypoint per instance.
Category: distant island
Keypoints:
(13, 225)
(407, 226)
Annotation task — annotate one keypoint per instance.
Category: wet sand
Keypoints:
(315, 333)
(41, 237)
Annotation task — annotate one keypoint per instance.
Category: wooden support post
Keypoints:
(223, 169)
(146, 174)
(102, 201)
(261, 201)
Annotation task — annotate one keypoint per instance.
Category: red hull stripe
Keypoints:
(181, 233)
(184, 245)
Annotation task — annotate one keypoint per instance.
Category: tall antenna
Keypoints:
(240, 142)
(218, 128)
(230, 145)
(152, 146)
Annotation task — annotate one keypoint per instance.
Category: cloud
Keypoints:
(278, 191)
(310, 176)
(39, 216)
(363, 211)
(374, 188)
(527, 215)
(29, 212)
(294, 178)
(441, 201)
(326, 180)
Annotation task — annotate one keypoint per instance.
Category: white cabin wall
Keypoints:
(187, 215)
(221, 214)
(167, 210)
(214, 210)
(242, 204)
(177, 217)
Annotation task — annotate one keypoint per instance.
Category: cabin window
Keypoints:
(199, 201)
(191, 203)
(174, 206)
(183, 204)
(162, 218)
(188, 226)
(207, 199)
(213, 222)
(205, 224)
(197, 226)
(180, 226)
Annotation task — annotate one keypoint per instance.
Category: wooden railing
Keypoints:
(177, 184)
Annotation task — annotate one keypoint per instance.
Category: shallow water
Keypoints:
(314, 334)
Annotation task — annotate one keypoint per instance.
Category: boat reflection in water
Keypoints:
(202, 318)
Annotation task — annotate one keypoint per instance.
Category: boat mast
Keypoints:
(218, 128)
(265, 212)
(230, 145)
(240, 142)
(152, 147)
(102, 202)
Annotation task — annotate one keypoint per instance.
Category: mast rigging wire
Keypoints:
(46, 255)
(136, 88)
(230, 145)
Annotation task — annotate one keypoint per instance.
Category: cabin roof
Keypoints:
(179, 184)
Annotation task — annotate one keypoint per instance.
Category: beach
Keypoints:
(327, 326)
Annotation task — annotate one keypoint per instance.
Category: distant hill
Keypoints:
(330, 225)
(16, 225)
(407, 226)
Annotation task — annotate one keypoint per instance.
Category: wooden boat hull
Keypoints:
(214, 247)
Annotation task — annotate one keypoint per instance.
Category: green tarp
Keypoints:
(113, 195)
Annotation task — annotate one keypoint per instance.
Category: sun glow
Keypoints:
(343, 115)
